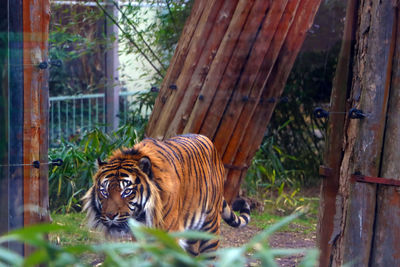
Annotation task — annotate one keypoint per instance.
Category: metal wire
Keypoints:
(36, 164)
(353, 113)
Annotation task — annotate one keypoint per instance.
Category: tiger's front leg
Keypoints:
(196, 247)
(191, 246)
(211, 225)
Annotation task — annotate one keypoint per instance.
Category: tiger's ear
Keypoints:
(145, 166)
(100, 163)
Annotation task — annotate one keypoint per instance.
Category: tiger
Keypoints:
(174, 185)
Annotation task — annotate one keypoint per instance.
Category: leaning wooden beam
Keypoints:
(257, 69)
(178, 60)
(230, 60)
(239, 51)
(203, 46)
(240, 148)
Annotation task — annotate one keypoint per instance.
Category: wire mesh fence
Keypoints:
(71, 115)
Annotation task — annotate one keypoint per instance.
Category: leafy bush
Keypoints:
(268, 178)
(152, 247)
(68, 182)
(308, 86)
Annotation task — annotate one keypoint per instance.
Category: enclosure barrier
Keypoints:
(70, 115)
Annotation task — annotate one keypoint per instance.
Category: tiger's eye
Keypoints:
(104, 193)
(127, 192)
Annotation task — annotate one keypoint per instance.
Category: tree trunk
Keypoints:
(229, 67)
(353, 237)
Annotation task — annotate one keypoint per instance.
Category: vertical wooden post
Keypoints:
(352, 231)
(36, 23)
(232, 59)
(25, 103)
(387, 219)
(333, 146)
(36, 18)
(111, 71)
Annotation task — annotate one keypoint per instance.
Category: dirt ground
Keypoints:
(233, 237)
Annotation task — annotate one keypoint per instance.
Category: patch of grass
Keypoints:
(78, 232)
(307, 223)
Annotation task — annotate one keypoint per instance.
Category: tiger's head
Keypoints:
(122, 189)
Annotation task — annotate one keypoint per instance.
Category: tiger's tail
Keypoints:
(236, 220)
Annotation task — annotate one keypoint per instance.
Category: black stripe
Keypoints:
(212, 225)
(141, 190)
(245, 210)
(210, 246)
(245, 218)
(157, 184)
(202, 242)
(192, 252)
(168, 211)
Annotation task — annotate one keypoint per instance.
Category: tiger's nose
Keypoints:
(111, 216)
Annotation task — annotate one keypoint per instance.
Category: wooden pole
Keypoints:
(232, 56)
(203, 48)
(333, 146)
(387, 224)
(24, 106)
(353, 233)
(36, 18)
(272, 88)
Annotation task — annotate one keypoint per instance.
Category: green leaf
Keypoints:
(310, 259)
(39, 256)
(31, 233)
(194, 235)
(9, 257)
(231, 257)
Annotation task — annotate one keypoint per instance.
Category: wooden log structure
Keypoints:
(333, 153)
(359, 218)
(25, 192)
(228, 70)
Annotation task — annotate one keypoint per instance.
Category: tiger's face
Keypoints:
(122, 192)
